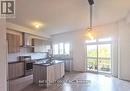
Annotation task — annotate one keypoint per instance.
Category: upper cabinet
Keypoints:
(13, 43)
(17, 40)
(41, 45)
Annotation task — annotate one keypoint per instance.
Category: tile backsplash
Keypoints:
(25, 52)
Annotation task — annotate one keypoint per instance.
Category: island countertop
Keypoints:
(42, 63)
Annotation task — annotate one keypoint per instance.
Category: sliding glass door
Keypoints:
(104, 58)
(99, 57)
(92, 58)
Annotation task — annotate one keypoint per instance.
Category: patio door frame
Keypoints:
(97, 43)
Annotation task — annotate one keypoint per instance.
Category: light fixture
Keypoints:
(89, 30)
(37, 25)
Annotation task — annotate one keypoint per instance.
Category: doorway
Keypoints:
(99, 56)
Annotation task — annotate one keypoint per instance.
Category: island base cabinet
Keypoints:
(39, 74)
(47, 75)
(57, 69)
(50, 75)
(62, 67)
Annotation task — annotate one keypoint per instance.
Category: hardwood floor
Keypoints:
(74, 82)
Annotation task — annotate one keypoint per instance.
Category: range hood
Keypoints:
(26, 40)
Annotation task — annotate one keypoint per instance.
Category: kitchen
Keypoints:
(27, 53)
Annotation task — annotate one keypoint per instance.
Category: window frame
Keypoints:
(63, 48)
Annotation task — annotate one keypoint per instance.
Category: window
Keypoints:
(67, 49)
(61, 49)
(108, 39)
(105, 39)
(90, 41)
(55, 49)
(104, 51)
(91, 51)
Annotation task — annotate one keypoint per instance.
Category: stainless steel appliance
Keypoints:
(26, 40)
(28, 64)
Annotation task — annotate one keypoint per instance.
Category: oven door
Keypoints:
(29, 66)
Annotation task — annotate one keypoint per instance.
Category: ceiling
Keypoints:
(60, 16)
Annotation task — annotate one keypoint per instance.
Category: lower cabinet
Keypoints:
(15, 70)
(50, 78)
(68, 65)
(62, 67)
(57, 70)
(47, 75)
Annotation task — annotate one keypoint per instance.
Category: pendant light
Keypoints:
(89, 30)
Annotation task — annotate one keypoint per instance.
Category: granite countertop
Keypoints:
(32, 60)
(63, 58)
(39, 59)
(14, 62)
(48, 64)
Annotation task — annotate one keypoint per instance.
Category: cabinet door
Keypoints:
(62, 69)
(57, 71)
(19, 69)
(17, 43)
(10, 71)
(50, 75)
(13, 43)
(15, 70)
(41, 45)
(10, 43)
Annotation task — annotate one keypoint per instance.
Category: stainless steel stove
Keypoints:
(28, 64)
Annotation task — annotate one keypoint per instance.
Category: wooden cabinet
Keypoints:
(62, 70)
(55, 72)
(48, 74)
(13, 43)
(20, 69)
(15, 70)
(40, 45)
(57, 69)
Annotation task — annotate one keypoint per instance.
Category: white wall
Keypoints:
(77, 40)
(3, 63)
(124, 49)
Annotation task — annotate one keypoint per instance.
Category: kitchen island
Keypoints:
(46, 74)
